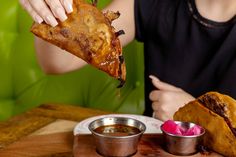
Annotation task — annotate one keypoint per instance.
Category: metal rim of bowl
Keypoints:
(119, 137)
(185, 136)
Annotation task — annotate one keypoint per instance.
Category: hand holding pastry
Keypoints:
(47, 10)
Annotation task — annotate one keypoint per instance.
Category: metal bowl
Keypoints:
(182, 145)
(113, 140)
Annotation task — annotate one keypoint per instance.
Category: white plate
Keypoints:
(152, 125)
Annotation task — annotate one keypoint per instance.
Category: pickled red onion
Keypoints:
(171, 127)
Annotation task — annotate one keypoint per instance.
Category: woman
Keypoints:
(189, 46)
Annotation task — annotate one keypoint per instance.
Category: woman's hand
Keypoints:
(167, 99)
(47, 10)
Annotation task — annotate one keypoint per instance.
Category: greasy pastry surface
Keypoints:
(223, 105)
(88, 34)
(219, 136)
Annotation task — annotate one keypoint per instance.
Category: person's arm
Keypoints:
(54, 60)
(126, 20)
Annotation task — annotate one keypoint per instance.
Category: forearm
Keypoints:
(54, 60)
(126, 20)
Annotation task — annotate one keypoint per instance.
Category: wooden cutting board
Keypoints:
(151, 145)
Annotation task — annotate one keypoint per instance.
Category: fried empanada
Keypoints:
(88, 34)
(216, 113)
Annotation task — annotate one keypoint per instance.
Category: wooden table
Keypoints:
(43, 131)
(46, 131)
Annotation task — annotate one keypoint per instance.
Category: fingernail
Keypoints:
(51, 20)
(153, 78)
(61, 14)
(38, 19)
(68, 6)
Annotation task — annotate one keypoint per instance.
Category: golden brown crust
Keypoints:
(223, 105)
(219, 136)
(88, 34)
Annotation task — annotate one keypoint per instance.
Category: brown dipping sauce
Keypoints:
(117, 130)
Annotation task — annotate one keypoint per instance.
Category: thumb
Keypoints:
(162, 85)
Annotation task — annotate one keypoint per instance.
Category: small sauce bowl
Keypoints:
(182, 145)
(117, 136)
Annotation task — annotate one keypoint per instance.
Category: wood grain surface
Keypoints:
(41, 146)
(65, 145)
(22, 125)
(68, 112)
(151, 145)
(45, 131)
